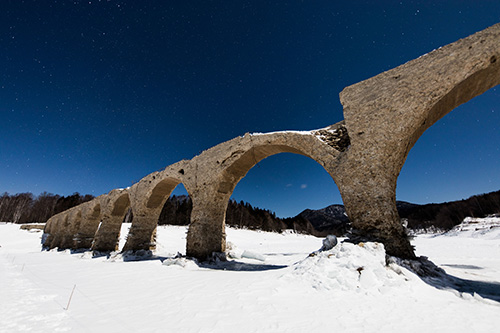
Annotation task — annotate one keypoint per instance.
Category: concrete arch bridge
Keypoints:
(384, 117)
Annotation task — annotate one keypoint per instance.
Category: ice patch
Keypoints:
(329, 243)
(253, 255)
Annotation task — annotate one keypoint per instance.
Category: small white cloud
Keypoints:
(288, 185)
(303, 186)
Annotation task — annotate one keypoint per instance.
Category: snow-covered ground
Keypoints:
(272, 285)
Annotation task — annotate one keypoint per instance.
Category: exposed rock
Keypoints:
(335, 136)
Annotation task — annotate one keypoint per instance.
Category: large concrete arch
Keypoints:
(257, 147)
(227, 163)
(384, 117)
(147, 199)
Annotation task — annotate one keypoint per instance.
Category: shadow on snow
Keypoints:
(438, 278)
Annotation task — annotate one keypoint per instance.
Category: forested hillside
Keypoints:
(445, 216)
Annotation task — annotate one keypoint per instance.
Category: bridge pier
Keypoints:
(52, 232)
(142, 234)
(86, 232)
(371, 208)
(206, 233)
(108, 234)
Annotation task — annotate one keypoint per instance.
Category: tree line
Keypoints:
(177, 211)
(445, 216)
(27, 208)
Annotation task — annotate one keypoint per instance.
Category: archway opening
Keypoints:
(454, 159)
(283, 193)
(107, 236)
(173, 223)
(143, 230)
(452, 164)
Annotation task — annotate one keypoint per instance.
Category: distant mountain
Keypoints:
(406, 208)
(331, 217)
(334, 217)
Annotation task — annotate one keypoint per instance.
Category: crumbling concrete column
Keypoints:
(108, 234)
(142, 233)
(370, 204)
(206, 233)
(72, 224)
(52, 231)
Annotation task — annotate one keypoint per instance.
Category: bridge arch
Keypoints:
(95, 211)
(120, 205)
(472, 86)
(454, 159)
(148, 200)
(114, 207)
(161, 191)
(207, 229)
(232, 175)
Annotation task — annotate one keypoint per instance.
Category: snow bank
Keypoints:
(348, 267)
(286, 132)
(485, 228)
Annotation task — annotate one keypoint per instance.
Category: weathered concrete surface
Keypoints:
(384, 117)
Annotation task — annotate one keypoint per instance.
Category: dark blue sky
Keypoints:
(94, 95)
